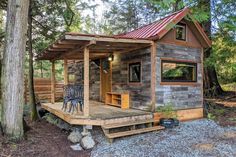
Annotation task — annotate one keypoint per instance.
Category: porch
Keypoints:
(100, 114)
(86, 49)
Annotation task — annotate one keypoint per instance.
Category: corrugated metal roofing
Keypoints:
(153, 29)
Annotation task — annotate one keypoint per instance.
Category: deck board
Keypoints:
(99, 113)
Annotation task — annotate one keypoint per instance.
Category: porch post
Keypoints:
(153, 75)
(53, 83)
(86, 81)
(65, 72)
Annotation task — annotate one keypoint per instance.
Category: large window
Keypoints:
(180, 32)
(135, 72)
(177, 71)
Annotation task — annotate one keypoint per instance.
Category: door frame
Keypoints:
(101, 71)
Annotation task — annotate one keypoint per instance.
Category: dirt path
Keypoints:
(43, 140)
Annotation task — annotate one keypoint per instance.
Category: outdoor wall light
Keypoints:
(110, 58)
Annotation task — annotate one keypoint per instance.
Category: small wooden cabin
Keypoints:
(156, 64)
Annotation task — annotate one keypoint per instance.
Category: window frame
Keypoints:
(129, 79)
(181, 62)
(185, 28)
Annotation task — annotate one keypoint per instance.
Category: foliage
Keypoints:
(125, 15)
(51, 118)
(229, 86)
(211, 116)
(223, 57)
(167, 110)
(199, 13)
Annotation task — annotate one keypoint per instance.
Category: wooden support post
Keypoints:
(66, 79)
(153, 75)
(202, 69)
(86, 81)
(53, 83)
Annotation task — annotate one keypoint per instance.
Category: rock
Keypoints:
(76, 147)
(75, 137)
(51, 118)
(87, 142)
(63, 125)
(87, 133)
(76, 128)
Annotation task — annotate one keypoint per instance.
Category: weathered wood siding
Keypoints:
(140, 94)
(94, 78)
(181, 96)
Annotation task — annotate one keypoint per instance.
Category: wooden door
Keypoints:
(105, 73)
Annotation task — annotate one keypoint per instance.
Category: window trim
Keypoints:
(185, 26)
(179, 81)
(134, 82)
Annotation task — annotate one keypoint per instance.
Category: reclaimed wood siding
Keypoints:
(181, 96)
(140, 94)
(94, 78)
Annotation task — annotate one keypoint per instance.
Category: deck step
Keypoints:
(116, 130)
(133, 132)
(119, 125)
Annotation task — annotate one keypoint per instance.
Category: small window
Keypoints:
(175, 71)
(135, 72)
(181, 32)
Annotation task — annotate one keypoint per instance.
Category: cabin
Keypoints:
(126, 76)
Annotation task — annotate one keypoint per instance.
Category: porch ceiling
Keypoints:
(71, 46)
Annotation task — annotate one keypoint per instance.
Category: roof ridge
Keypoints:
(153, 21)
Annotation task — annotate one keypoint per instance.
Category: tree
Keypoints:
(210, 80)
(32, 100)
(126, 15)
(12, 70)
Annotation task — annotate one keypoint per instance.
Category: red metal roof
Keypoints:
(156, 28)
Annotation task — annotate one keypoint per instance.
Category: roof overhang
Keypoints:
(194, 25)
(71, 46)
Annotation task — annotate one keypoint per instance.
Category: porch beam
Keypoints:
(86, 82)
(53, 80)
(80, 48)
(153, 75)
(66, 79)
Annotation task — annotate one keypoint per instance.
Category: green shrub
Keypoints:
(167, 110)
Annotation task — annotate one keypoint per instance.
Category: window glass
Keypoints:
(135, 72)
(173, 71)
(181, 31)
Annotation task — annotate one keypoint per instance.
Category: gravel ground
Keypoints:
(199, 138)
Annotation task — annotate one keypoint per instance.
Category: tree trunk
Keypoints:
(13, 68)
(176, 5)
(41, 69)
(211, 83)
(32, 101)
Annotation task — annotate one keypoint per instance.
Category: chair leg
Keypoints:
(70, 107)
(81, 106)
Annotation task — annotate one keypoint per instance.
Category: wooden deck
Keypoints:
(100, 114)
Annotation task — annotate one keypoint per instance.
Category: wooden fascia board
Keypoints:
(171, 24)
(106, 39)
(174, 22)
(203, 34)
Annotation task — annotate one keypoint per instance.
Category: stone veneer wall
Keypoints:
(182, 97)
(140, 94)
(94, 78)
